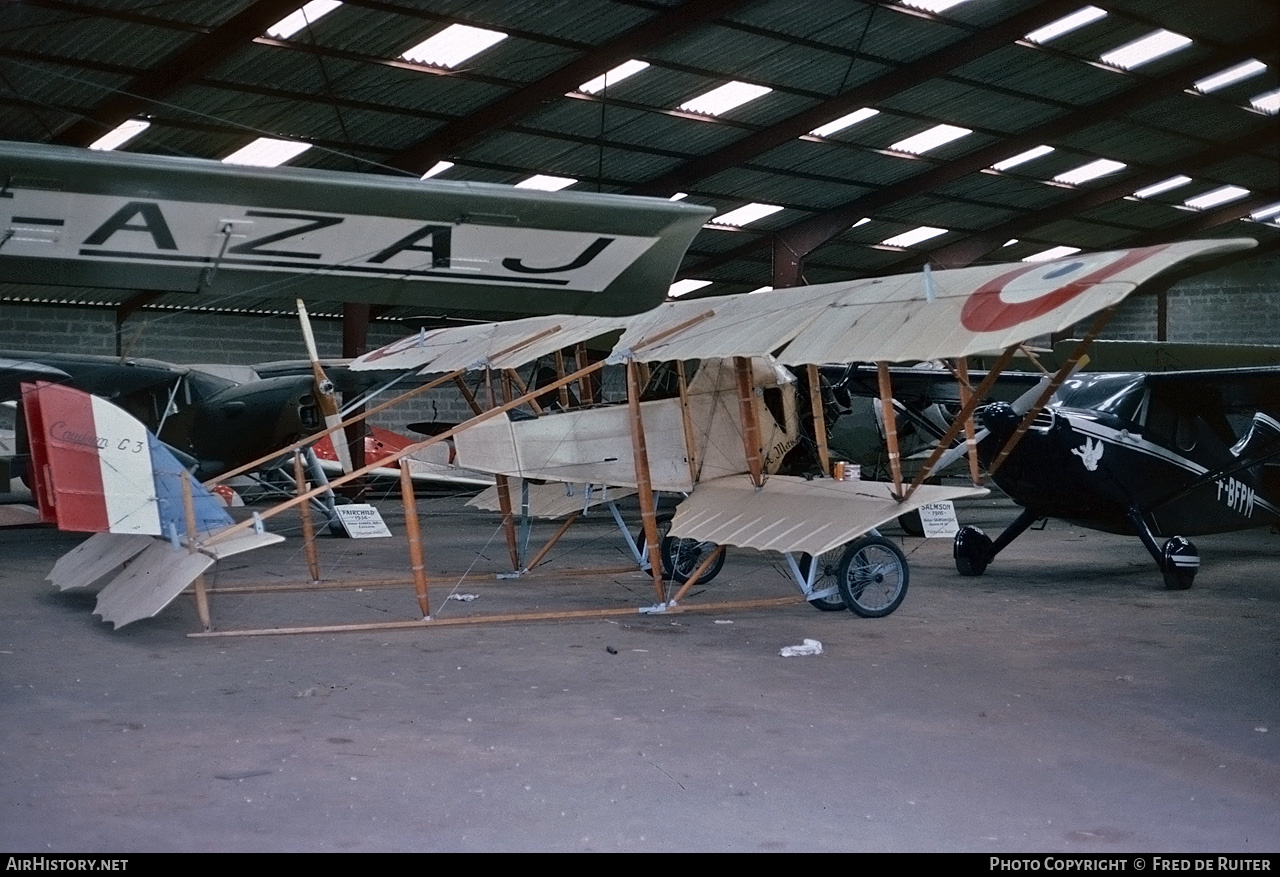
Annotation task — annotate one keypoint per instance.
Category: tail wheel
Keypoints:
(826, 576)
(873, 577)
(972, 551)
(1181, 563)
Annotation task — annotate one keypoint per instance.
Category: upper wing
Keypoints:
(904, 318)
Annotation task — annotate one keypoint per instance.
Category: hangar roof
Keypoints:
(1060, 125)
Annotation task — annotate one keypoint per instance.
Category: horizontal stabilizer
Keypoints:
(148, 584)
(796, 515)
(100, 555)
(551, 500)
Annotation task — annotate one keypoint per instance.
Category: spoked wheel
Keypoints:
(1181, 563)
(680, 558)
(828, 571)
(872, 577)
(972, 551)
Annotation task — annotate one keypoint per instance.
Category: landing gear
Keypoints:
(825, 577)
(1180, 562)
(872, 577)
(972, 551)
(680, 558)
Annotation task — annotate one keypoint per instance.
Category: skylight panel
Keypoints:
(1266, 212)
(625, 70)
(453, 45)
(267, 152)
(437, 169)
(546, 183)
(1022, 158)
(863, 221)
(121, 134)
(1220, 195)
(1143, 50)
(679, 196)
(939, 135)
(719, 101)
(761, 289)
(1162, 186)
(913, 237)
(932, 5)
(1052, 253)
(743, 215)
(1066, 25)
(1091, 171)
(846, 121)
(1268, 102)
(300, 18)
(684, 287)
(1238, 73)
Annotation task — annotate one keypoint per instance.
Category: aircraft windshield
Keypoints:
(1118, 394)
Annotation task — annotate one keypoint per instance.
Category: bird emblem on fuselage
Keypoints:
(1090, 453)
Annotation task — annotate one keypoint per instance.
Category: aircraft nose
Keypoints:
(1000, 419)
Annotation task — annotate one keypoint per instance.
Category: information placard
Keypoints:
(361, 521)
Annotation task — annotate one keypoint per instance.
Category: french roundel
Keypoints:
(1034, 290)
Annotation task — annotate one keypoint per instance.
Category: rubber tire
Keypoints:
(1178, 578)
(682, 557)
(873, 562)
(971, 551)
(826, 577)
(911, 523)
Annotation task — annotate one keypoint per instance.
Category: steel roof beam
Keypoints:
(191, 61)
(869, 94)
(603, 58)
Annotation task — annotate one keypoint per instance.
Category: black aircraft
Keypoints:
(1159, 455)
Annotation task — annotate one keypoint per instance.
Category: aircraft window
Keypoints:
(1184, 435)
(1121, 395)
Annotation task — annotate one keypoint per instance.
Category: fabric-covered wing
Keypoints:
(793, 514)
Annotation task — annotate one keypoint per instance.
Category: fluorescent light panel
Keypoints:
(1265, 212)
(846, 121)
(625, 70)
(938, 135)
(915, 236)
(743, 215)
(1162, 186)
(437, 169)
(719, 101)
(761, 289)
(679, 196)
(546, 183)
(1146, 49)
(121, 134)
(1238, 73)
(1220, 195)
(1022, 158)
(1267, 102)
(1074, 21)
(300, 18)
(1053, 253)
(1091, 171)
(684, 287)
(453, 45)
(932, 5)
(267, 152)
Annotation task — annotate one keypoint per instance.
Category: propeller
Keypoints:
(326, 392)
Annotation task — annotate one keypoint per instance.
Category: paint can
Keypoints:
(837, 470)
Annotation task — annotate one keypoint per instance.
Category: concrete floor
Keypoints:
(1063, 702)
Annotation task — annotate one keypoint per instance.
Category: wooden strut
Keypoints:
(563, 391)
(643, 485)
(308, 528)
(188, 506)
(966, 411)
(510, 618)
(503, 483)
(564, 528)
(1061, 375)
(890, 427)
(819, 418)
(750, 426)
(970, 433)
(416, 556)
(686, 421)
(698, 573)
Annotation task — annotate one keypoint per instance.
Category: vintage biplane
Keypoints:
(1157, 455)
(724, 416)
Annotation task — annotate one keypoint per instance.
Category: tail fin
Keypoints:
(97, 469)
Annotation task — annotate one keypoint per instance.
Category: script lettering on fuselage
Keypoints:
(159, 232)
(1237, 497)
